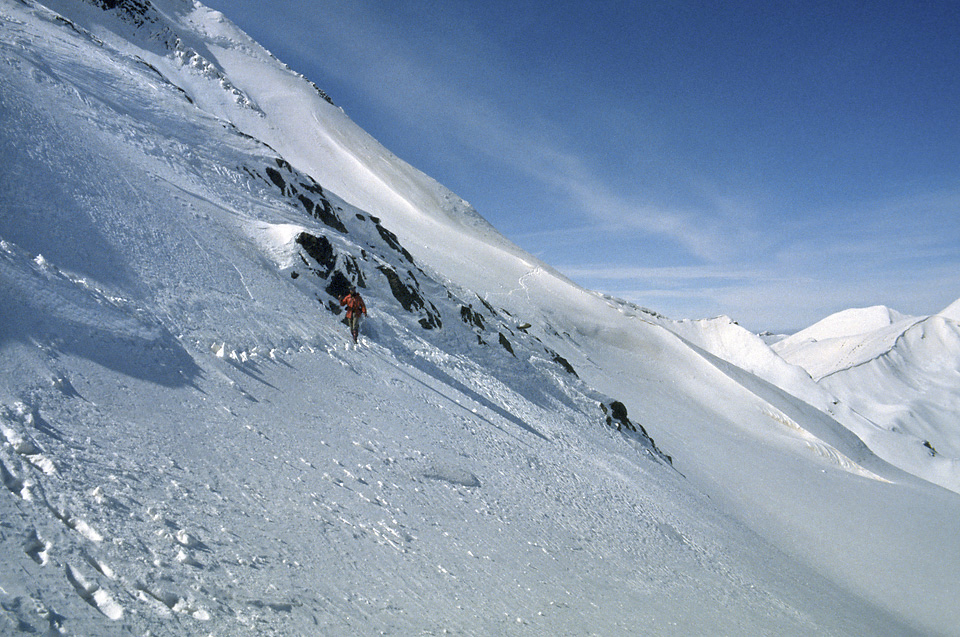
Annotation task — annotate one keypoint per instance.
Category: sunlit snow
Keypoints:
(192, 444)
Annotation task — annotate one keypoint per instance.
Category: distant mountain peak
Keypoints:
(952, 311)
(850, 322)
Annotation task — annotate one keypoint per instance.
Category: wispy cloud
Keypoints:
(803, 282)
(666, 274)
(903, 252)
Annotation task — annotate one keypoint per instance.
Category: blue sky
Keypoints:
(772, 161)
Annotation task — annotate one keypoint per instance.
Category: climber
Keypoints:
(355, 307)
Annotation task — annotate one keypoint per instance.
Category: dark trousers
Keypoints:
(354, 323)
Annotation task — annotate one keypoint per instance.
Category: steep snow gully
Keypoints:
(190, 443)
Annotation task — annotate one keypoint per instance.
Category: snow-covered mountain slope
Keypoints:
(902, 373)
(191, 445)
(858, 402)
(953, 311)
(844, 339)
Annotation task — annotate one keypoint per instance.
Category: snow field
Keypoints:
(189, 443)
(415, 507)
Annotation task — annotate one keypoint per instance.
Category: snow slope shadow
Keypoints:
(43, 306)
(445, 379)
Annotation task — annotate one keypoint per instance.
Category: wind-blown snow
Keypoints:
(192, 445)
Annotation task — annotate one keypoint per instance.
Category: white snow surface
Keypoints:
(844, 339)
(953, 311)
(190, 444)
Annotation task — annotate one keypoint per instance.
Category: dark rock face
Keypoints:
(339, 286)
(562, 362)
(345, 268)
(139, 8)
(506, 344)
(320, 249)
(616, 415)
(468, 316)
(139, 13)
(341, 270)
(391, 240)
(277, 179)
(411, 299)
(304, 191)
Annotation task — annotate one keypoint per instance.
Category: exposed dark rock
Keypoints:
(312, 187)
(307, 203)
(406, 295)
(324, 212)
(564, 363)
(338, 287)
(312, 200)
(67, 23)
(411, 299)
(391, 240)
(616, 415)
(323, 94)
(488, 306)
(137, 12)
(506, 344)
(277, 179)
(320, 249)
(469, 316)
(342, 270)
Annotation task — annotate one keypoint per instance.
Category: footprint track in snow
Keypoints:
(14, 483)
(77, 524)
(37, 548)
(21, 443)
(167, 602)
(94, 594)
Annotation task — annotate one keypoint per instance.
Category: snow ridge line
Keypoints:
(896, 343)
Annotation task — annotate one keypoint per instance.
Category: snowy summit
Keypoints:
(192, 443)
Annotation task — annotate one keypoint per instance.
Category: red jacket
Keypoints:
(354, 304)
